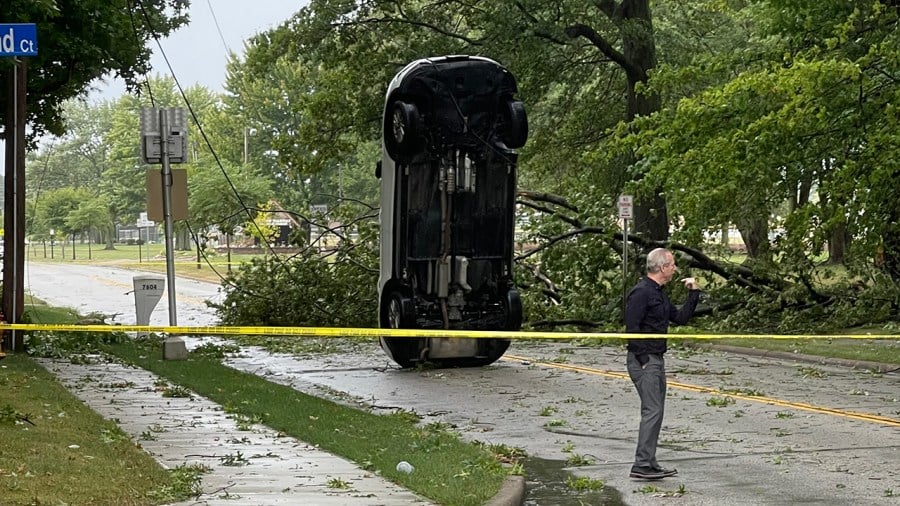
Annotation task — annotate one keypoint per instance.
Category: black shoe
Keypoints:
(647, 473)
(667, 472)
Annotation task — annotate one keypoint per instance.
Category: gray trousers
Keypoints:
(650, 382)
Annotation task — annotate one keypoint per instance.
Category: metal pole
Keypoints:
(167, 212)
(624, 264)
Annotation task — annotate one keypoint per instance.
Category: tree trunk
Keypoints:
(635, 28)
(651, 216)
(889, 257)
(755, 233)
(837, 244)
(110, 236)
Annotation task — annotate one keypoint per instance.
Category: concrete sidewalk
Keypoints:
(248, 467)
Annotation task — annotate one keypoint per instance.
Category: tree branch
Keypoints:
(547, 197)
(420, 24)
(560, 323)
(597, 40)
(551, 291)
(546, 210)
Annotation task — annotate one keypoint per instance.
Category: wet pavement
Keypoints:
(249, 464)
(728, 449)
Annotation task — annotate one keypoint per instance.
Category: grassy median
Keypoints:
(448, 470)
(56, 450)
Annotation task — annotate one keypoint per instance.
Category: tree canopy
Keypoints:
(83, 41)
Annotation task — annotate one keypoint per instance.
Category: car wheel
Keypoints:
(513, 310)
(401, 314)
(405, 128)
(515, 124)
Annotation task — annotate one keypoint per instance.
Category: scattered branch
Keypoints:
(561, 323)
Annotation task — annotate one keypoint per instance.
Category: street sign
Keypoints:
(626, 207)
(143, 221)
(18, 39)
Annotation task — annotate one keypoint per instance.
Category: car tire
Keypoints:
(405, 130)
(515, 124)
(401, 314)
(513, 309)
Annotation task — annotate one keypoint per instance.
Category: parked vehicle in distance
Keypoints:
(448, 188)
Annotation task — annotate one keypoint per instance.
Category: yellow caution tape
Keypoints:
(377, 332)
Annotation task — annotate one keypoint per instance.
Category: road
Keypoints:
(109, 290)
(740, 429)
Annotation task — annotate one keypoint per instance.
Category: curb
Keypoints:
(879, 367)
(512, 492)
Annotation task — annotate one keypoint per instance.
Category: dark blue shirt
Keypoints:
(649, 311)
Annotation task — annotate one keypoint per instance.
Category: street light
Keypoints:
(52, 236)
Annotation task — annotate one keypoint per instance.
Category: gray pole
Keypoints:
(624, 264)
(167, 211)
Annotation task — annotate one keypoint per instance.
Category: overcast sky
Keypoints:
(198, 52)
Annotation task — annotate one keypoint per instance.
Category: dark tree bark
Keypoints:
(890, 257)
(634, 22)
(837, 244)
(755, 233)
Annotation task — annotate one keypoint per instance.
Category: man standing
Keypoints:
(649, 311)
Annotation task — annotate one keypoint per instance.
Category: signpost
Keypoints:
(142, 223)
(17, 40)
(626, 212)
(164, 141)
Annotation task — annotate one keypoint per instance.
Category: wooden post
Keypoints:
(14, 212)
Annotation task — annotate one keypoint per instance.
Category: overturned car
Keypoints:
(448, 187)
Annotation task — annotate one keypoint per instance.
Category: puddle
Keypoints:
(546, 485)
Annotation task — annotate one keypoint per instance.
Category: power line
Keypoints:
(218, 29)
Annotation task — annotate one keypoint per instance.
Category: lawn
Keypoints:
(149, 257)
(886, 351)
(56, 450)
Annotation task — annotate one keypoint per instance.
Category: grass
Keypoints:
(873, 350)
(152, 258)
(448, 470)
(55, 450)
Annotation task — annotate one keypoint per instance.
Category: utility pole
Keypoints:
(16, 40)
(14, 195)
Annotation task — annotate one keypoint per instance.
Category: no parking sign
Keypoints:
(626, 207)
